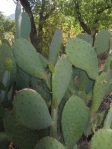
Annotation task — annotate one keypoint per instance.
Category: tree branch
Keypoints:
(79, 18)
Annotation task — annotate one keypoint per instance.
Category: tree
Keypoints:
(91, 14)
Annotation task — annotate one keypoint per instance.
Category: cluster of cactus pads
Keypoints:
(53, 103)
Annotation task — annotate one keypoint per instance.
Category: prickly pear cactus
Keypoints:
(61, 78)
(31, 110)
(102, 42)
(28, 59)
(102, 139)
(55, 46)
(21, 136)
(82, 55)
(102, 88)
(74, 120)
(49, 143)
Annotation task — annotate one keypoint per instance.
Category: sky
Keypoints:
(7, 7)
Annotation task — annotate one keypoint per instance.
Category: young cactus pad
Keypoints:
(102, 139)
(28, 59)
(31, 109)
(49, 143)
(17, 19)
(102, 42)
(61, 78)
(74, 120)
(23, 24)
(55, 46)
(82, 55)
(86, 37)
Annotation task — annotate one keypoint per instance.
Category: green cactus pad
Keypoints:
(102, 42)
(108, 63)
(17, 20)
(61, 78)
(25, 25)
(83, 56)
(74, 120)
(31, 109)
(49, 143)
(108, 119)
(102, 139)
(28, 59)
(55, 46)
(21, 136)
(101, 88)
(86, 37)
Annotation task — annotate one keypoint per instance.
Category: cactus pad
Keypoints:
(108, 119)
(83, 56)
(55, 46)
(74, 120)
(28, 59)
(102, 42)
(102, 139)
(61, 78)
(86, 37)
(31, 109)
(49, 143)
(101, 88)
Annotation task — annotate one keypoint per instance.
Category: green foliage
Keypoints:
(83, 56)
(102, 139)
(99, 17)
(31, 110)
(74, 120)
(49, 143)
(6, 28)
